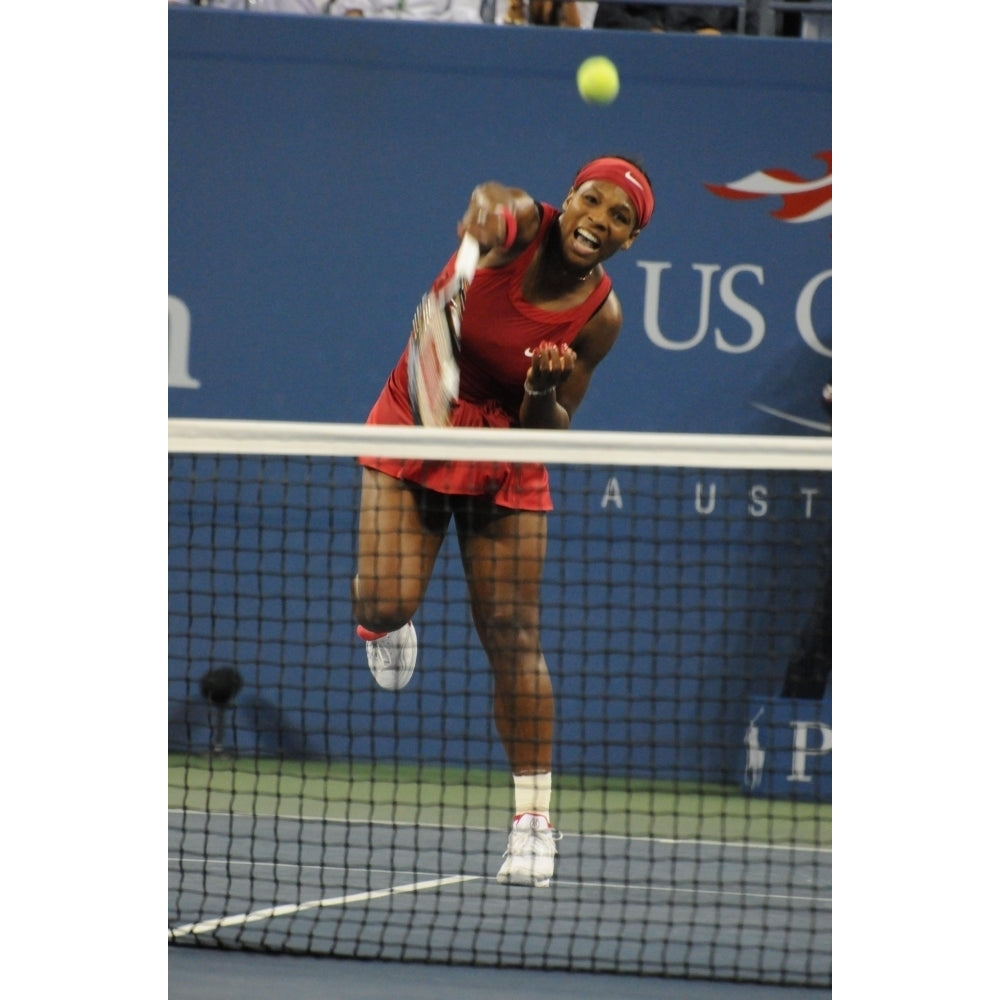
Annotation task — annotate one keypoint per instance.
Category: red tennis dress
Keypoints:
(498, 328)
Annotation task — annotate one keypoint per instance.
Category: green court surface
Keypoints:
(455, 796)
(415, 794)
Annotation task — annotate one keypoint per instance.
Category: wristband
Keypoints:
(538, 392)
(510, 222)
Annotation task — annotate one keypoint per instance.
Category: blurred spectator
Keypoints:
(554, 13)
(800, 24)
(266, 6)
(516, 13)
(454, 11)
(549, 13)
(817, 26)
(658, 17)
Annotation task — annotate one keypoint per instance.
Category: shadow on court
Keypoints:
(212, 974)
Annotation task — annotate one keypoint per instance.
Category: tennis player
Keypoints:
(539, 317)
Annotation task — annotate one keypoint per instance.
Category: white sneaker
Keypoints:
(392, 656)
(531, 852)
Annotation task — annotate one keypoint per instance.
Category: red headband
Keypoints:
(627, 176)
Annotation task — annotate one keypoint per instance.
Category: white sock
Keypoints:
(532, 793)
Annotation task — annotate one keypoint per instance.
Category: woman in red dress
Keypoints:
(540, 292)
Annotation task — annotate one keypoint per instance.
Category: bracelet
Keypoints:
(538, 392)
(510, 223)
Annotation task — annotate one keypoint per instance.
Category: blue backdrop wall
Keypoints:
(318, 168)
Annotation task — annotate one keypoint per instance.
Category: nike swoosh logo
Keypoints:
(529, 352)
(630, 178)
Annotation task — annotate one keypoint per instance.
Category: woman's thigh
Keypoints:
(400, 531)
(503, 553)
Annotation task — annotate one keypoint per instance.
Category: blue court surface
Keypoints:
(636, 910)
(213, 974)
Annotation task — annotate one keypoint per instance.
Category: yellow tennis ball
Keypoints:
(597, 80)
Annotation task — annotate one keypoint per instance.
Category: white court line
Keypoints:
(703, 891)
(315, 904)
(697, 891)
(395, 824)
(747, 845)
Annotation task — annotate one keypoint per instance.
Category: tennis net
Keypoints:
(685, 622)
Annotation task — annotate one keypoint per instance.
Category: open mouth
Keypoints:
(585, 241)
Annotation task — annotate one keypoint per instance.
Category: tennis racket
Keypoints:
(436, 339)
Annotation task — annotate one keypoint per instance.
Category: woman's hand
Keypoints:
(551, 365)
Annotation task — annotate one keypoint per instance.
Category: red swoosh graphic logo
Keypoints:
(802, 200)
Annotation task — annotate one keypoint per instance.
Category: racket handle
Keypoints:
(467, 257)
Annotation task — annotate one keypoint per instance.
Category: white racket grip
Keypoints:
(467, 258)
